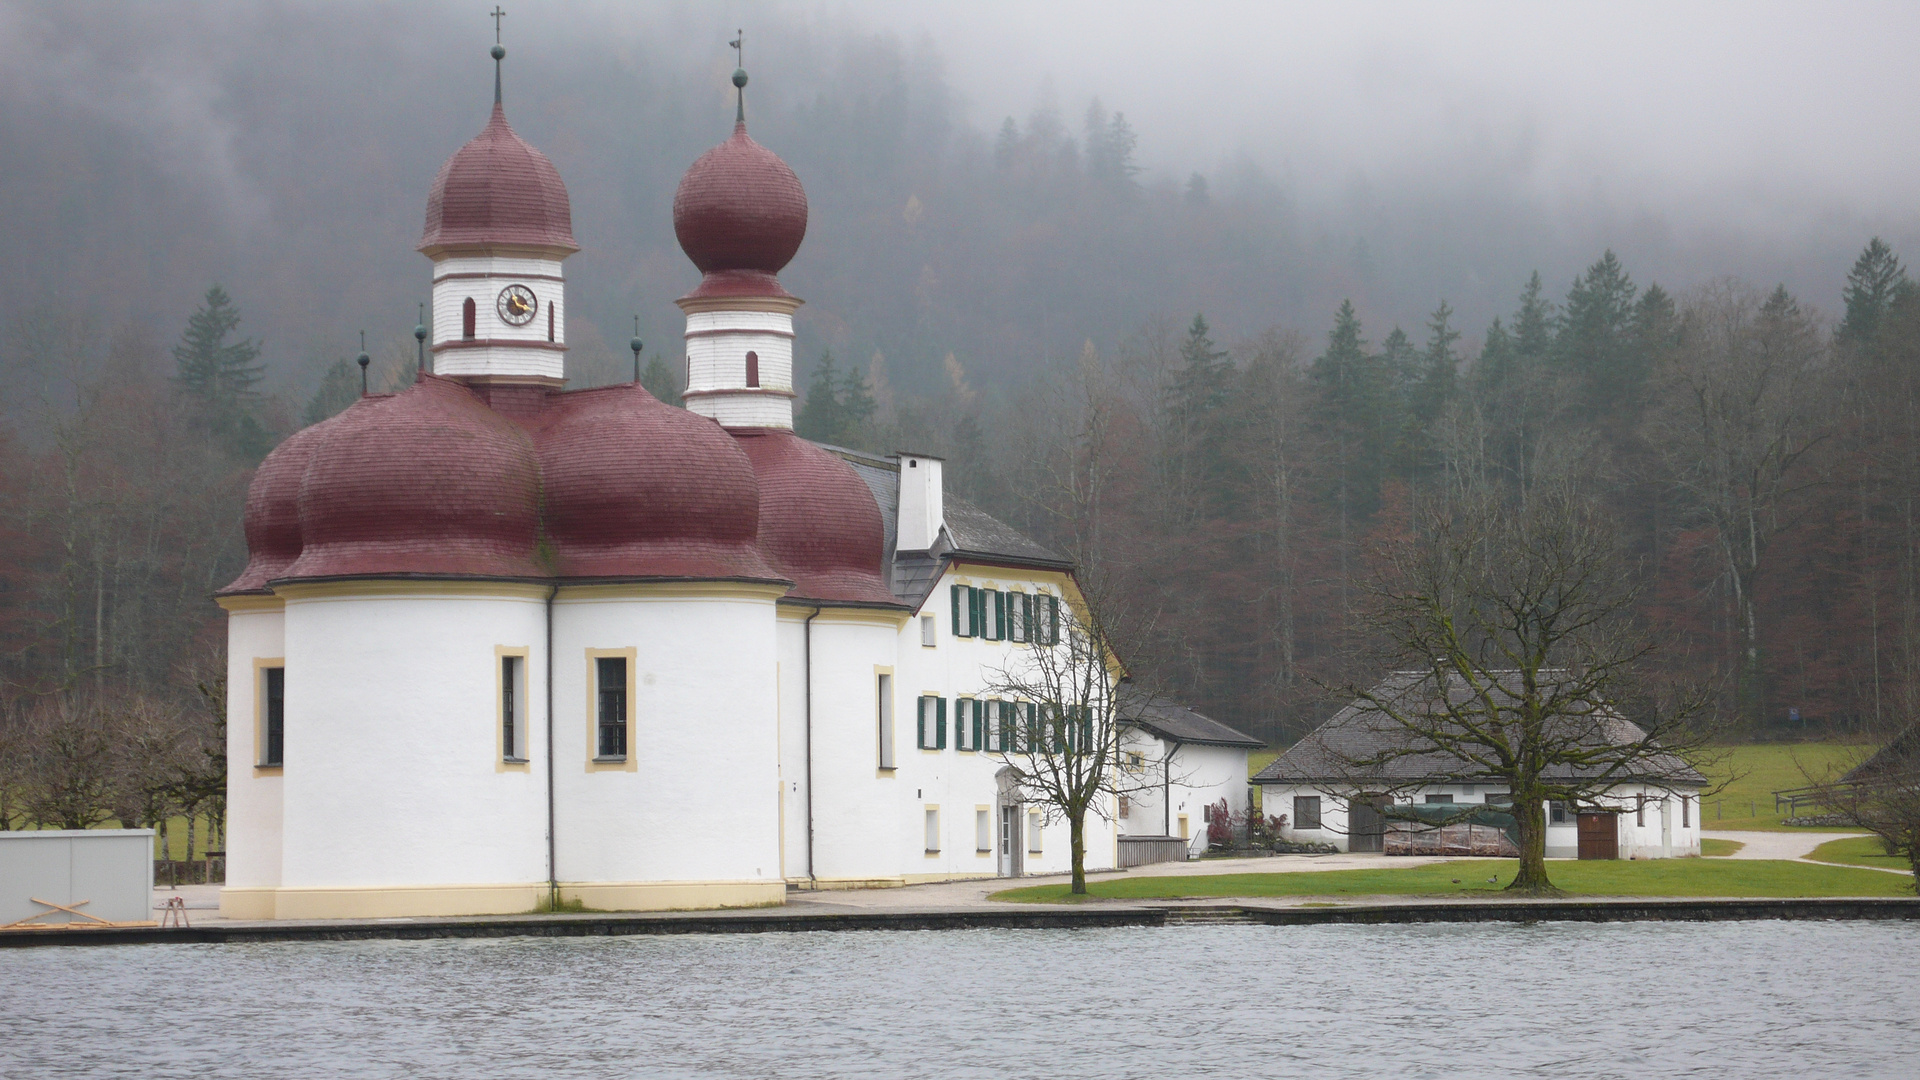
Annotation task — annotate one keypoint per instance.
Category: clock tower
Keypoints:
(498, 228)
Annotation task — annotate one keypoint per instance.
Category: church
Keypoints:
(501, 644)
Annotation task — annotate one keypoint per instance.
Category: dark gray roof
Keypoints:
(1899, 758)
(969, 532)
(1360, 742)
(1177, 723)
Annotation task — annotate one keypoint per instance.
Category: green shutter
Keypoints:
(958, 630)
(941, 736)
(979, 726)
(920, 724)
(973, 612)
(1000, 616)
(1053, 620)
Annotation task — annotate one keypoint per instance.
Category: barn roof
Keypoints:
(1358, 742)
(1178, 723)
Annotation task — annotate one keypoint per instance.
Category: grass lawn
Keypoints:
(1719, 849)
(1761, 770)
(1653, 877)
(1859, 851)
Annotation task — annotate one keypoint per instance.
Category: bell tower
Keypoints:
(499, 227)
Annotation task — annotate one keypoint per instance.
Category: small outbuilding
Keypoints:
(1327, 797)
(1183, 764)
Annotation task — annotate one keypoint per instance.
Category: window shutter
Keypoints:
(1000, 616)
(940, 705)
(979, 726)
(1086, 730)
(959, 629)
(1053, 619)
(973, 612)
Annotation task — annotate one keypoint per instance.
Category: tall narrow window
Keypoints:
(965, 618)
(933, 830)
(1686, 811)
(513, 695)
(933, 723)
(611, 674)
(982, 830)
(1640, 812)
(966, 724)
(468, 315)
(1033, 832)
(753, 368)
(549, 320)
(275, 692)
(993, 615)
(1018, 605)
(1045, 628)
(884, 710)
(996, 726)
(927, 631)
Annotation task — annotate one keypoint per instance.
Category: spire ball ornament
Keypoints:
(740, 78)
(498, 52)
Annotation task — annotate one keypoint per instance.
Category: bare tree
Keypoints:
(1059, 728)
(1882, 795)
(1521, 654)
(1739, 414)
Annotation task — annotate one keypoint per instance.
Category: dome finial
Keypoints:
(420, 346)
(636, 345)
(363, 360)
(739, 76)
(499, 51)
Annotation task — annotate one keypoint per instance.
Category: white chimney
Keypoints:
(922, 505)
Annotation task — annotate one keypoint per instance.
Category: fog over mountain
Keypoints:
(1397, 155)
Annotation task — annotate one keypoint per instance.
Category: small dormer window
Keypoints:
(753, 368)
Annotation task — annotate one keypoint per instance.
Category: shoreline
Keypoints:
(1096, 915)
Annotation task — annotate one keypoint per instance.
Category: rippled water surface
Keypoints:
(1747, 1000)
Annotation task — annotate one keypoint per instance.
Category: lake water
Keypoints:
(1737, 1000)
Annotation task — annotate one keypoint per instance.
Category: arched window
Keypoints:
(753, 368)
(467, 317)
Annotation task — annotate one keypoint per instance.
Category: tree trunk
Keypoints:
(1077, 828)
(1531, 877)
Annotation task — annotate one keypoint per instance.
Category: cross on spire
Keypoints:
(499, 50)
(740, 57)
(738, 44)
(498, 13)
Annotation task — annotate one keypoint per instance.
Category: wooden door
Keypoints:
(1599, 836)
(1366, 825)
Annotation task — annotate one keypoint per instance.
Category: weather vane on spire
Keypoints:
(740, 76)
(499, 51)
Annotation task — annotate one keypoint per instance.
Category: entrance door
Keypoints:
(1366, 825)
(1009, 854)
(1599, 836)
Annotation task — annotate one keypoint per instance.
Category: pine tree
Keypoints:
(822, 417)
(1533, 325)
(217, 374)
(857, 407)
(339, 388)
(1495, 366)
(1656, 326)
(661, 380)
(1875, 280)
(1439, 367)
(1596, 335)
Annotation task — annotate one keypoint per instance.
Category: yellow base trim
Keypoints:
(421, 901)
(831, 884)
(926, 879)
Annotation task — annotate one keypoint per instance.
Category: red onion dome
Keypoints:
(740, 213)
(273, 508)
(819, 523)
(428, 482)
(498, 190)
(638, 489)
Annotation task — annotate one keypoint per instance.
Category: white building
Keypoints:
(499, 641)
(1328, 796)
(1181, 765)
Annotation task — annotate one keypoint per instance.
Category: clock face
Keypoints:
(517, 305)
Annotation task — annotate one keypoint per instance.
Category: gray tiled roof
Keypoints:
(1177, 723)
(1899, 758)
(969, 531)
(1354, 743)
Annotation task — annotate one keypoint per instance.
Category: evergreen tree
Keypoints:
(1204, 381)
(1656, 326)
(1397, 366)
(1439, 367)
(857, 407)
(1006, 146)
(822, 417)
(1596, 339)
(1495, 366)
(218, 374)
(339, 387)
(1533, 325)
(1875, 280)
(1197, 191)
(661, 380)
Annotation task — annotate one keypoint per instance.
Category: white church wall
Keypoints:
(856, 824)
(692, 816)
(395, 796)
(255, 637)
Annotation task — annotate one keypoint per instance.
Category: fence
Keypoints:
(79, 877)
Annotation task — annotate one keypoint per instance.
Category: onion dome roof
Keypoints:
(819, 523)
(637, 488)
(273, 508)
(427, 482)
(740, 214)
(498, 190)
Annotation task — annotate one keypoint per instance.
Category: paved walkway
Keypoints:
(1775, 845)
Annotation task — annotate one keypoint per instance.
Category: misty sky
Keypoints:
(1698, 140)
